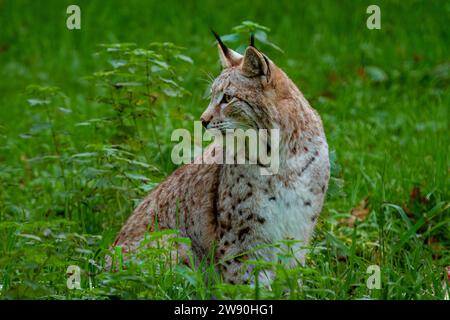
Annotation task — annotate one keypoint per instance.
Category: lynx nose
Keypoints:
(205, 123)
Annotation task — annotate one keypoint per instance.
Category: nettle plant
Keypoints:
(136, 84)
(93, 181)
(95, 168)
(241, 33)
(87, 181)
(50, 146)
(136, 87)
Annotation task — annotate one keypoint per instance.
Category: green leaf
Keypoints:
(376, 74)
(441, 72)
(410, 233)
(139, 177)
(29, 236)
(182, 240)
(172, 92)
(38, 102)
(128, 84)
(118, 63)
(64, 110)
(39, 127)
(250, 26)
(160, 63)
(402, 213)
(85, 155)
(261, 36)
(232, 37)
(184, 58)
(148, 186)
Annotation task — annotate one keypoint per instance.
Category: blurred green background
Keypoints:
(382, 94)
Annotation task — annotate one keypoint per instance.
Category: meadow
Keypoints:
(86, 118)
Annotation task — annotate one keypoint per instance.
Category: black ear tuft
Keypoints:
(221, 44)
(252, 40)
(228, 57)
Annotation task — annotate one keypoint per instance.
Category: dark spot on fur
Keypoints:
(250, 216)
(272, 198)
(314, 217)
(222, 251)
(249, 185)
(232, 282)
(242, 233)
(226, 243)
(260, 219)
(306, 149)
(230, 194)
(307, 203)
(240, 212)
(317, 153)
(323, 188)
(241, 176)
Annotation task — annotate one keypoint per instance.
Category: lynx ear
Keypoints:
(228, 57)
(255, 63)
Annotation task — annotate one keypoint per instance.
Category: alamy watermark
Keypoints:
(231, 146)
(74, 277)
(374, 20)
(73, 21)
(374, 280)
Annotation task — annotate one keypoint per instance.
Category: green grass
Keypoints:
(65, 189)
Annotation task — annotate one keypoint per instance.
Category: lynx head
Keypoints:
(246, 93)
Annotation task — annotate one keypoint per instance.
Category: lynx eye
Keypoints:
(226, 98)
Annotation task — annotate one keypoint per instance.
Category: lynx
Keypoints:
(231, 208)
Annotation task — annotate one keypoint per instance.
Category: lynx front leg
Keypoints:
(236, 270)
(231, 263)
